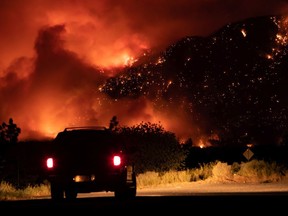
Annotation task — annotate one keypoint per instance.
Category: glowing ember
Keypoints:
(244, 33)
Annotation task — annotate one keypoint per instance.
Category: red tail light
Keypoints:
(116, 160)
(50, 163)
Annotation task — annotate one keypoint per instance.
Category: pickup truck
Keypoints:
(89, 159)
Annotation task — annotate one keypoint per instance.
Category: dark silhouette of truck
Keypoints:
(89, 159)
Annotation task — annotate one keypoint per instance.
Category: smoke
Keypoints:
(107, 33)
(56, 54)
(61, 90)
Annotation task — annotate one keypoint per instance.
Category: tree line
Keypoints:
(149, 146)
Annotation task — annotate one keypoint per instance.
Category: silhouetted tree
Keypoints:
(113, 123)
(8, 138)
(9, 133)
(155, 149)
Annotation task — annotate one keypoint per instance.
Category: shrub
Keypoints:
(261, 171)
(154, 149)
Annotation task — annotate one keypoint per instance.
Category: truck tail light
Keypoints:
(116, 160)
(49, 163)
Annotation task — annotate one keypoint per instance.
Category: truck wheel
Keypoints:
(57, 192)
(70, 193)
(127, 191)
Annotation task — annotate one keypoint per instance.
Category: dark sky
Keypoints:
(54, 54)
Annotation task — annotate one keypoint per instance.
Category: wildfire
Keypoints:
(201, 144)
(129, 60)
(281, 38)
(74, 59)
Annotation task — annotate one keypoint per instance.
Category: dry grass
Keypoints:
(255, 171)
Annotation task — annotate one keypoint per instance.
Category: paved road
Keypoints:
(224, 199)
(234, 204)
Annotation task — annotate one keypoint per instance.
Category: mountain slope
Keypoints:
(231, 84)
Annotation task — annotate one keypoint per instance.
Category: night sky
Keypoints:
(203, 69)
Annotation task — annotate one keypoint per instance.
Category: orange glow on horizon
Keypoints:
(53, 83)
(201, 144)
(45, 121)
